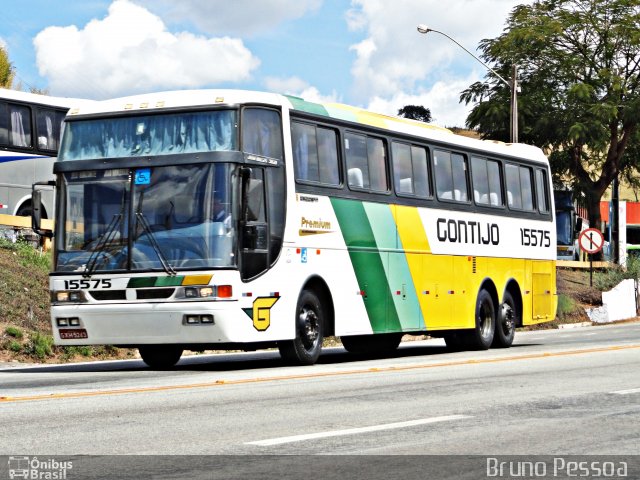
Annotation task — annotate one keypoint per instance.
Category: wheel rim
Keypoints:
(508, 320)
(310, 329)
(485, 319)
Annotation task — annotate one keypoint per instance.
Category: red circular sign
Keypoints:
(591, 240)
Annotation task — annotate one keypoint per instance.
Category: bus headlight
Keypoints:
(209, 291)
(72, 296)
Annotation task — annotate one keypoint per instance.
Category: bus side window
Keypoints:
(357, 164)
(542, 189)
(514, 196)
(377, 155)
(4, 124)
(444, 181)
(20, 120)
(487, 183)
(305, 151)
(402, 170)
(261, 132)
(328, 164)
(519, 187)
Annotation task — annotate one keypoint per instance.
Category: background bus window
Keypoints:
(20, 126)
(4, 124)
(48, 126)
(542, 189)
(261, 132)
(377, 154)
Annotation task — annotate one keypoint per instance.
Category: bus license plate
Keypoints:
(73, 333)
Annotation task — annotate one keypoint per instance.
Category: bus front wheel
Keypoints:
(305, 348)
(481, 337)
(160, 357)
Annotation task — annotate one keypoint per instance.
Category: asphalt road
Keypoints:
(557, 392)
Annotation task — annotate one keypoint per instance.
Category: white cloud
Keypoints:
(238, 17)
(130, 51)
(393, 57)
(441, 99)
(3, 44)
(299, 88)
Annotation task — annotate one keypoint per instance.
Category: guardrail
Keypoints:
(24, 223)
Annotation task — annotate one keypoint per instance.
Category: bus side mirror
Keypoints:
(36, 209)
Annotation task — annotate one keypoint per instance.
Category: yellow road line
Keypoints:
(392, 368)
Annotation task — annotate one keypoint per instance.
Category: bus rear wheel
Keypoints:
(371, 344)
(506, 321)
(481, 337)
(306, 347)
(160, 357)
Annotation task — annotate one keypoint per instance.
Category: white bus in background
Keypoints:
(30, 128)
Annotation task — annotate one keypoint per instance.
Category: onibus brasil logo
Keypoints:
(35, 469)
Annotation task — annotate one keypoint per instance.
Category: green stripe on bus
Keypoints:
(309, 107)
(404, 300)
(367, 263)
(145, 282)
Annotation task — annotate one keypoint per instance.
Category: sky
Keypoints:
(366, 53)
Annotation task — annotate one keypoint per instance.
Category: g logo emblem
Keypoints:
(262, 312)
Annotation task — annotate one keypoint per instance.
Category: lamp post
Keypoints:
(513, 84)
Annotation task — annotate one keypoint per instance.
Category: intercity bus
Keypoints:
(220, 219)
(30, 127)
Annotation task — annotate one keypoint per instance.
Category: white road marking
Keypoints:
(354, 431)
(627, 392)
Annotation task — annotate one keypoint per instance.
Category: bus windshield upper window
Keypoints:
(261, 132)
(150, 135)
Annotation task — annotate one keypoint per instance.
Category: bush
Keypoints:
(15, 346)
(13, 332)
(566, 305)
(40, 346)
(611, 277)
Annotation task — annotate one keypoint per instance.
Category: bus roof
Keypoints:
(195, 98)
(36, 98)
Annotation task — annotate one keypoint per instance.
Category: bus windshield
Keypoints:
(136, 136)
(160, 218)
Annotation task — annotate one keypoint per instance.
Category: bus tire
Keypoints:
(160, 357)
(481, 336)
(306, 347)
(506, 321)
(372, 344)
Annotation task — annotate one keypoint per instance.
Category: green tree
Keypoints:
(6, 70)
(415, 112)
(579, 65)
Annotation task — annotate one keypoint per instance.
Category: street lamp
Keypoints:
(513, 84)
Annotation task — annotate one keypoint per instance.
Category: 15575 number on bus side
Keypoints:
(531, 237)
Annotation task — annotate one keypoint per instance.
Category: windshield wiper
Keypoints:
(154, 243)
(105, 239)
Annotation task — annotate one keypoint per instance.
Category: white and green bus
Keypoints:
(217, 219)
